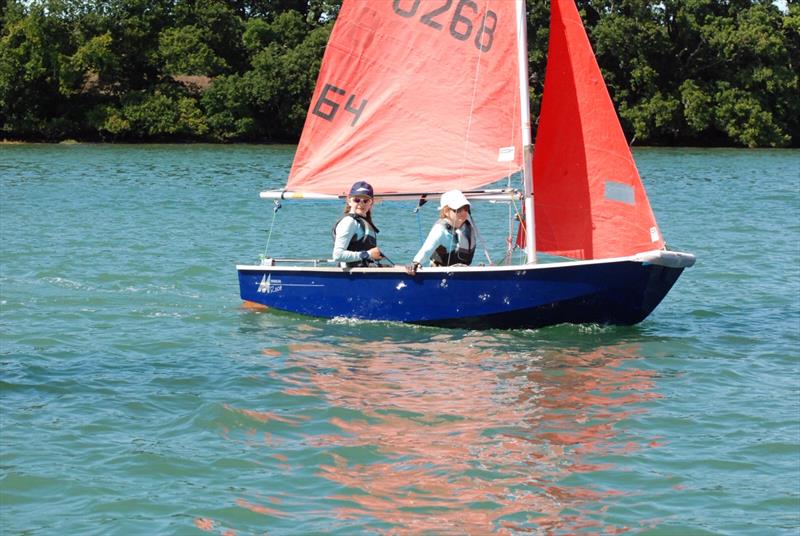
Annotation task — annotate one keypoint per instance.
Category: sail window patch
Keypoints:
(619, 191)
(505, 154)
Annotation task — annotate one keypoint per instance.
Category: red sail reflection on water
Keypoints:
(472, 438)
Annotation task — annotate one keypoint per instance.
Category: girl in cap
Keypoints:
(452, 238)
(355, 237)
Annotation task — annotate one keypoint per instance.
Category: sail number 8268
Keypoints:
(461, 26)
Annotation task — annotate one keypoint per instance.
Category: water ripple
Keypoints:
(140, 397)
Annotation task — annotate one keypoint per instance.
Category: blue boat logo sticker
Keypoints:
(267, 285)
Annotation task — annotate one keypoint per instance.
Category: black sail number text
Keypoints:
(331, 99)
(460, 20)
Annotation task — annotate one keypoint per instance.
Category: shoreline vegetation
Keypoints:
(696, 74)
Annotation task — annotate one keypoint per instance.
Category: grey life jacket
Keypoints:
(463, 246)
(365, 243)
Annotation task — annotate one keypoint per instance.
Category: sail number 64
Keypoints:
(327, 104)
(461, 26)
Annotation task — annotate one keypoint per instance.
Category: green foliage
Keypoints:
(94, 58)
(282, 82)
(653, 115)
(695, 72)
(699, 72)
(696, 102)
(212, 34)
(184, 51)
(743, 118)
(155, 116)
(31, 52)
(288, 30)
(228, 110)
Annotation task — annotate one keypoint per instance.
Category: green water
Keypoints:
(140, 397)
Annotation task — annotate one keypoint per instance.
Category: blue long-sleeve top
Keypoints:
(440, 235)
(346, 229)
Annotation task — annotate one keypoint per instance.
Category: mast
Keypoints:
(525, 125)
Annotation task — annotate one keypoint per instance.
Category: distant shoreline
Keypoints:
(128, 142)
(222, 144)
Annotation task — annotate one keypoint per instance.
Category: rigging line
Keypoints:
(510, 238)
(515, 131)
(474, 93)
(450, 246)
(521, 222)
(419, 227)
(422, 200)
(517, 216)
(272, 225)
(511, 170)
(480, 239)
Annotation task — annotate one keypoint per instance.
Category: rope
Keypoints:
(271, 226)
(513, 215)
(475, 79)
(450, 249)
(422, 200)
(419, 227)
(479, 236)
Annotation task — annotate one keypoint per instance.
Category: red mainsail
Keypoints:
(589, 200)
(413, 96)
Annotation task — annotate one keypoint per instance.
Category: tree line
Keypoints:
(681, 72)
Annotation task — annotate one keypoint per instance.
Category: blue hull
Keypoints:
(606, 292)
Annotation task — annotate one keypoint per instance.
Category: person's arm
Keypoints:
(345, 231)
(436, 238)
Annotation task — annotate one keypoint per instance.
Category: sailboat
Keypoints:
(420, 97)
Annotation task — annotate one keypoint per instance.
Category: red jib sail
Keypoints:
(589, 200)
(413, 96)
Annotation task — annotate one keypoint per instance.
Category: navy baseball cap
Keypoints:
(361, 188)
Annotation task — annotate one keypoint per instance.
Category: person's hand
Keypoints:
(375, 254)
(411, 268)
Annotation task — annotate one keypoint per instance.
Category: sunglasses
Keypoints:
(360, 199)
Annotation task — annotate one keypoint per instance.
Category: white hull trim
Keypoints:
(670, 259)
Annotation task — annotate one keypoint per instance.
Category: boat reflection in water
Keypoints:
(449, 435)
